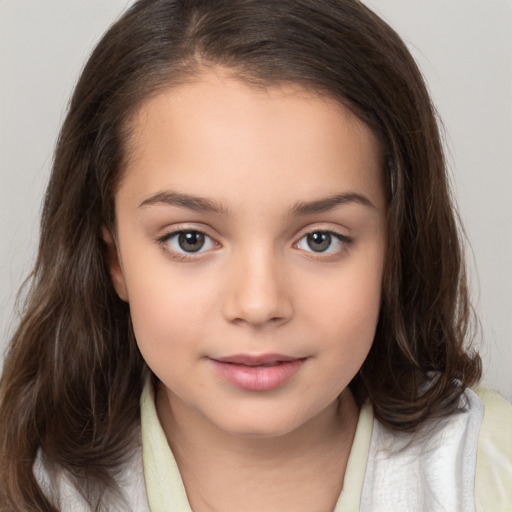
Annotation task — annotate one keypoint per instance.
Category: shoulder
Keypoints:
(434, 468)
(60, 489)
(493, 479)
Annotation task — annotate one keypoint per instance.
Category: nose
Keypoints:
(257, 293)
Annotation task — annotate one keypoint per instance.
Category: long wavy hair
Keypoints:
(73, 374)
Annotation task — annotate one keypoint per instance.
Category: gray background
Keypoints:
(464, 48)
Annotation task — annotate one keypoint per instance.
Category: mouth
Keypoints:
(257, 373)
(257, 360)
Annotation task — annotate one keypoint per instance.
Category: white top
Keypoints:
(462, 463)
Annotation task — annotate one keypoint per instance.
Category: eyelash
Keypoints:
(344, 241)
(183, 257)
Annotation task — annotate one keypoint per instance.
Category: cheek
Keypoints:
(168, 309)
(346, 310)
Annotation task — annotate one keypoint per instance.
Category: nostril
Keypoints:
(253, 294)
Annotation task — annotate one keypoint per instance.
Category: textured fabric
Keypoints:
(463, 463)
(432, 470)
(132, 490)
(438, 463)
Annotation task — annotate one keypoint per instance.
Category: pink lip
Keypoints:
(257, 373)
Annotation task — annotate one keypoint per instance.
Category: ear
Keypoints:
(114, 265)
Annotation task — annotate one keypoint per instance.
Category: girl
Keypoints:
(249, 293)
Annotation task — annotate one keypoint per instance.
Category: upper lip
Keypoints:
(255, 360)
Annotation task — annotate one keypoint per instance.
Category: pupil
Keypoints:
(191, 241)
(319, 241)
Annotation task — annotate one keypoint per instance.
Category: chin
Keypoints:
(261, 427)
(267, 432)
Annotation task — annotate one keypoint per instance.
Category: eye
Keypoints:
(188, 242)
(326, 242)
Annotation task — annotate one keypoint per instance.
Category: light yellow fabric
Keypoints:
(493, 479)
(164, 487)
(493, 486)
(350, 497)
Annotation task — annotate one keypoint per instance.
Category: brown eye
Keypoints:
(187, 242)
(319, 241)
(191, 241)
(324, 242)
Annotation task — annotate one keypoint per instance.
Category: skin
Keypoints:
(256, 286)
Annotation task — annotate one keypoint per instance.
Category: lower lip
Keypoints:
(258, 378)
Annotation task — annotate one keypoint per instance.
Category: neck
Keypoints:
(301, 470)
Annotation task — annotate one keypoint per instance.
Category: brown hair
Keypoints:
(73, 374)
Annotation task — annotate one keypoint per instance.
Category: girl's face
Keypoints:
(250, 247)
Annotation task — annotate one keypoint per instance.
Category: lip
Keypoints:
(257, 372)
(255, 360)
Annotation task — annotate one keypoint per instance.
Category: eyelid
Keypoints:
(342, 238)
(168, 234)
(323, 228)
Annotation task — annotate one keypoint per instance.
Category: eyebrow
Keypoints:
(302, 208)
(198, 204)
(329, 203)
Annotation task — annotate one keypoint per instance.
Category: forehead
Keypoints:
(219, 130)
